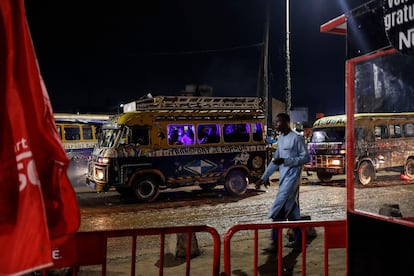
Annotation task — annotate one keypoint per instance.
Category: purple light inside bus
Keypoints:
(181, 134)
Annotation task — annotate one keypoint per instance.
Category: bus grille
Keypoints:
(327, 161)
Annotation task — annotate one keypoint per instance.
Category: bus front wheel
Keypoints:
(146, 188)
(324, 176)
(409, 168)
(236, 182)
(365, 173)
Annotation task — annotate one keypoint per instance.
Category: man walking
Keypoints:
(290, 156)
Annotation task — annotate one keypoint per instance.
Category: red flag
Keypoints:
(38, 205)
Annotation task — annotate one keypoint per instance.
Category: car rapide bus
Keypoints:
(382, 141)
(79, 133)
(170, 142)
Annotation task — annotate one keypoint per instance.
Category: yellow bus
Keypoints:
(79, 133)
(168, 142)
(382, 141)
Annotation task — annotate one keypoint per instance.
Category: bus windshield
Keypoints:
(108, 137)
(328, 134)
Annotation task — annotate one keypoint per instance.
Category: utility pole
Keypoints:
(288, 93)
(260, 74)
(266, 92)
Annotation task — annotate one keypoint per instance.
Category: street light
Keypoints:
(120, 107)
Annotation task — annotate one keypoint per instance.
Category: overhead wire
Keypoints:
(203, 51)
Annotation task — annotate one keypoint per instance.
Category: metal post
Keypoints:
(267, 94)
(288, 94)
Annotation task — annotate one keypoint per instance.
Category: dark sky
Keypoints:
(95, 55)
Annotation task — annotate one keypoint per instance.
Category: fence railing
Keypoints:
(334, 237)
(90, 248)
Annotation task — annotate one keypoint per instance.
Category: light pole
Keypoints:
(288, 95)
(266, 91)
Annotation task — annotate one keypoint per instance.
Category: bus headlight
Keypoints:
(103, 160)
(99, 174)
(336, 162)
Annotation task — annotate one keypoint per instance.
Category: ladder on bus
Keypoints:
(194, 102)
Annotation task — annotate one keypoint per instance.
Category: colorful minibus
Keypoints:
(382, 141)
(169, 142)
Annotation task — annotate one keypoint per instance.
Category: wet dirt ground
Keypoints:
(194, 206)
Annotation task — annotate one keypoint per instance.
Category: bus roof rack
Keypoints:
(194, 102)
(80, 118)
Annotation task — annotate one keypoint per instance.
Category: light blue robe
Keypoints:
(292, 149)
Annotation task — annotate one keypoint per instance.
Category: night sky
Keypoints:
(95, 55)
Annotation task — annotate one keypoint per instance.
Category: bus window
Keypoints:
(208, 134)
(395, 131)
(236, 132)
(181, 134)
(108, 137)
(257, 131)
(71, 132)
(136, 136)
(408, 130)
(328, 134)
(87, 132)
(381, 132)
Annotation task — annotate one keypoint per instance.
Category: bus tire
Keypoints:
(409, 168)
(365, 173)
(236, 182)
(146, 188)
(324, 176)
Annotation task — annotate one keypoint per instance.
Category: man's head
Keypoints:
(282, 122)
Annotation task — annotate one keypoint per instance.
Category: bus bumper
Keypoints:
(95, 186)
(326, 170)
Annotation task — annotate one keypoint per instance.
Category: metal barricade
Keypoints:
(334, 237)
(90, 248)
